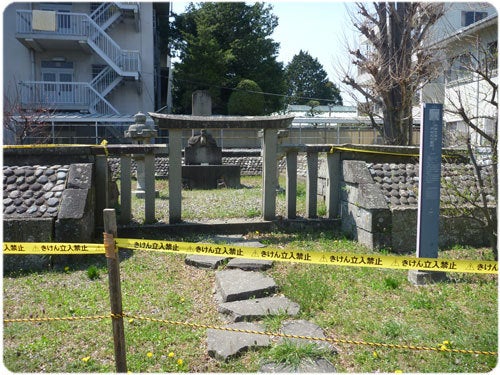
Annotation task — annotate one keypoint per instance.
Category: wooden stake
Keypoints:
(115, 294)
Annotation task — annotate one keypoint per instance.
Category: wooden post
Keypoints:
(115, 294)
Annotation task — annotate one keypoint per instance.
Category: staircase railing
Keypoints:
(124, 62)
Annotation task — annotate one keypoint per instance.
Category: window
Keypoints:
(469, 18)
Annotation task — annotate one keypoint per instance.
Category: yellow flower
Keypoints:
(66, 268)
(85, 359)
(443, 347)
(375, 355)
(182, 299)
(398, 372)
(171, 355)
(131, 320)
(446, 342)
(149, 354)
(180, 362)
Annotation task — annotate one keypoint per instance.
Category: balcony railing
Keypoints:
(80, 25)
(63, 95)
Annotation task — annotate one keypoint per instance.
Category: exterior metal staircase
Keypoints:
(120, 63)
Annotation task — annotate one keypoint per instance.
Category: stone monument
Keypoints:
(203, 167)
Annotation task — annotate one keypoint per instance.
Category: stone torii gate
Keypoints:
(177, 123)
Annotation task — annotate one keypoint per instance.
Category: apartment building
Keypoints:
(81, 71)
(468, 42)
(466, 29)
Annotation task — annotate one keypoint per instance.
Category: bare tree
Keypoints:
(394, 63)
(22, 123)
(472, 99)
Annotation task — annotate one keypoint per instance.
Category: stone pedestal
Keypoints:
(140, 191)
(417, 277)
(211, 176)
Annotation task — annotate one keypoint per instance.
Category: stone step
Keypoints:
(306, 328)
(250, 264)
(258, 308)
(205, 261)
(309, 366)
(235, 285)
(223, 345)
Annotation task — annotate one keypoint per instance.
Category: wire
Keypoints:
(242, 90)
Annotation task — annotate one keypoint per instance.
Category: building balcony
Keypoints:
(63, 96)
(42, 31)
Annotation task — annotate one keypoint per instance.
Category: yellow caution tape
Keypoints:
(313, 257)
(273, 254)
(332, 150)
(52, 145)
(51, 248)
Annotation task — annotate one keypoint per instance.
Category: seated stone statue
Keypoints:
(202, 139)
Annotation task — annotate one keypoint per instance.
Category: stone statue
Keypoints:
(202, 139)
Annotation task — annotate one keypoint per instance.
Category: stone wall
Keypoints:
(49, 203)
(379, 202)
(46, 201)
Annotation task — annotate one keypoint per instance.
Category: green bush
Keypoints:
(246, 100)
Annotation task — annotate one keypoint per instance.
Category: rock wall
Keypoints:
(379, 205)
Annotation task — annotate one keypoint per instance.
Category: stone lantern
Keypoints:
(140, 133)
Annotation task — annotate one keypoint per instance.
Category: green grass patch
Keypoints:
(223, 203)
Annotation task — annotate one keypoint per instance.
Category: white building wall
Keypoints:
(17, 65)
(22, 64)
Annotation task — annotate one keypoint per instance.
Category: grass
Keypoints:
(354, 304)
(226, 203)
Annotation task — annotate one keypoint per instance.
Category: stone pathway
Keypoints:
(245, 295)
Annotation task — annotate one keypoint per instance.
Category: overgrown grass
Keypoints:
(353, 304)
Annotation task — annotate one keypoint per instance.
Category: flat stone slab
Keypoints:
(235, 285)
(254, 309)
(306, 328)
(223, 345)
(316, 365)
(205, 261)
(250, 264)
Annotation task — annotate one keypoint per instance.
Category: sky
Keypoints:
(320, 28)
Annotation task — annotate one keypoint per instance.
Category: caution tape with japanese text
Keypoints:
(273, 254)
